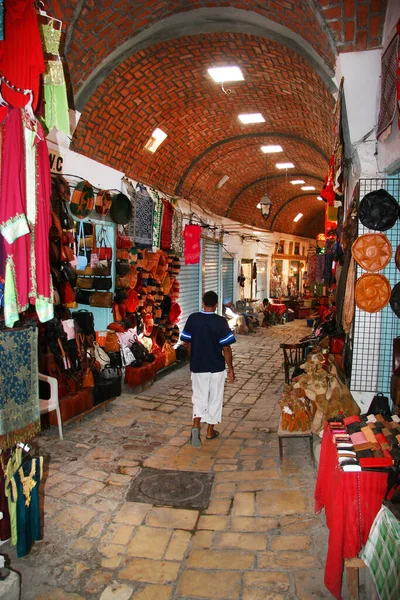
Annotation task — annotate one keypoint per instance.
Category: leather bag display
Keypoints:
(104, 246)
(85, 283)
(372, 251)
(372, 292)
(378, 210)
(102, 283)
(112, 342)
(170, 354)
(85, 321)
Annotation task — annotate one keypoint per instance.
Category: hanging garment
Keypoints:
(1, 19)
(311, 268)
(25, 493)
(25, 218)
(319, 268)
(166, 225)
(144, 210)
(177, 231)
(157, 220)
(13, 463)
(55, 91)
(5, 526)
(19, 398)
(21, 54)
(191, 237)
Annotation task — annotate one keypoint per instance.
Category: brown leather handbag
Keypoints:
(112, 342)
(84, 283)
(101, 299)
(170, 354)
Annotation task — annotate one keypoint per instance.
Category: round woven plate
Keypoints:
(372, 292)
(372, 251)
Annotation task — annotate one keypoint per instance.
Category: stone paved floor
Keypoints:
(259, 539)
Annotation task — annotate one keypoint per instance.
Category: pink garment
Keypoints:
(191, 236)
(25, 216)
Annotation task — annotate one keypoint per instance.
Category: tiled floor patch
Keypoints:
(181, 489)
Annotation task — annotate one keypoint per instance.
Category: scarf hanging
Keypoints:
(177, 231)
(157, 220)
(191, 237)
(166, 225)
(19, 384)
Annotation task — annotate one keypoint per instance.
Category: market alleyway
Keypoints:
(259, 538)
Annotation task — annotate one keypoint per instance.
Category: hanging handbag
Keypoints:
(83, 297)
(85, 271)
(65, 358)
(122, 255)
(82, 258)
(103, 269)
(88, 378)
(68, 272)
(67, 238)
(101, 337)
(100, 356)
(170, 354)
(67, 295)
(85, 321)
(66, 220)
(85, 283)
(69, 328)
(112, 342)
(124, 241)
(67, 254)
(55, 252)
(115, 359)
(396, 356)
(379, 405)
(101, 299)
(104, 246)
(122, 268)
(102, 283)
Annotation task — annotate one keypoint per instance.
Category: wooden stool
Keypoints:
(284, 433)
(352, 566)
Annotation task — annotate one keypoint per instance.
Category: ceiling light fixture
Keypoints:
(298, 217)
(265, 206)
(297, 181)
(271, 149)
(307, 188)
(223, 74)
(248, 118)
(287, 165)
(222, 181)
(157, 138)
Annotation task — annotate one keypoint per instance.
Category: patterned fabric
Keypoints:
(177, 231)
(144, 208)
(191, 236)
(388, 107)
(1, 19)
(157, 220)
(130, 190)
(382, 554)
(166, 225)
(319, 268)
(19, 398)
(312, 262)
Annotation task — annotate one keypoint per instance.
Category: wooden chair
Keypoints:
(294, 355)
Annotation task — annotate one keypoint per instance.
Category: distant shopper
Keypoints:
(267, 313)
(210, 339)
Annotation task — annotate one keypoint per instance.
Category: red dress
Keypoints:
(21, 54)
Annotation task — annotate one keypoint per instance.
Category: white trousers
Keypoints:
(208, 396)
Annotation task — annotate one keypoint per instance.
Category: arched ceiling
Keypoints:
(135, 66)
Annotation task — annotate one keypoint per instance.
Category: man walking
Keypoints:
(210, 342)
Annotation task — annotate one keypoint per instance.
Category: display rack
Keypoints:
(374, 332)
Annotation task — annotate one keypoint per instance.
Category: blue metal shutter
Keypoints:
(227, 280)
(189, 295)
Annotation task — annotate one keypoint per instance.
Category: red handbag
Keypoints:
(124, 242)
(104, 246)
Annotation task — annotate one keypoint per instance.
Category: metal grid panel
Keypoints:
(374, 333)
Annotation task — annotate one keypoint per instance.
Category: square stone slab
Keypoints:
(179, 489)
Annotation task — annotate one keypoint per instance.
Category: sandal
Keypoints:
(214, 435)
(195, 437)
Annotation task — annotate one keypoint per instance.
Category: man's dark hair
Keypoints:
(210, 299)
(266, 301)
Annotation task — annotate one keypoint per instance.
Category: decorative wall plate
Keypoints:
(378, 210)
(372, 292)
(372, 251)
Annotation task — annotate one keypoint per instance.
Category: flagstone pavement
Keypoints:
(259, 538)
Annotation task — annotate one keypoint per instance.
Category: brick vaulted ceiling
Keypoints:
(134, 66)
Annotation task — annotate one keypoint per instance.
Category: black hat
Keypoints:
(378, 210)
(395, 300)
(121, 209)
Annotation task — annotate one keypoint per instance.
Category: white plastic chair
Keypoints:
(52, 403)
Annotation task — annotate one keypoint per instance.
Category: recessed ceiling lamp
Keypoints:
(222, 181)
(248, 118)
(319, 198)
(271, 149)
(224, 74)
(157, 138)
(298, 217)
(307, 188)
(287, 165)
(297, 181)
